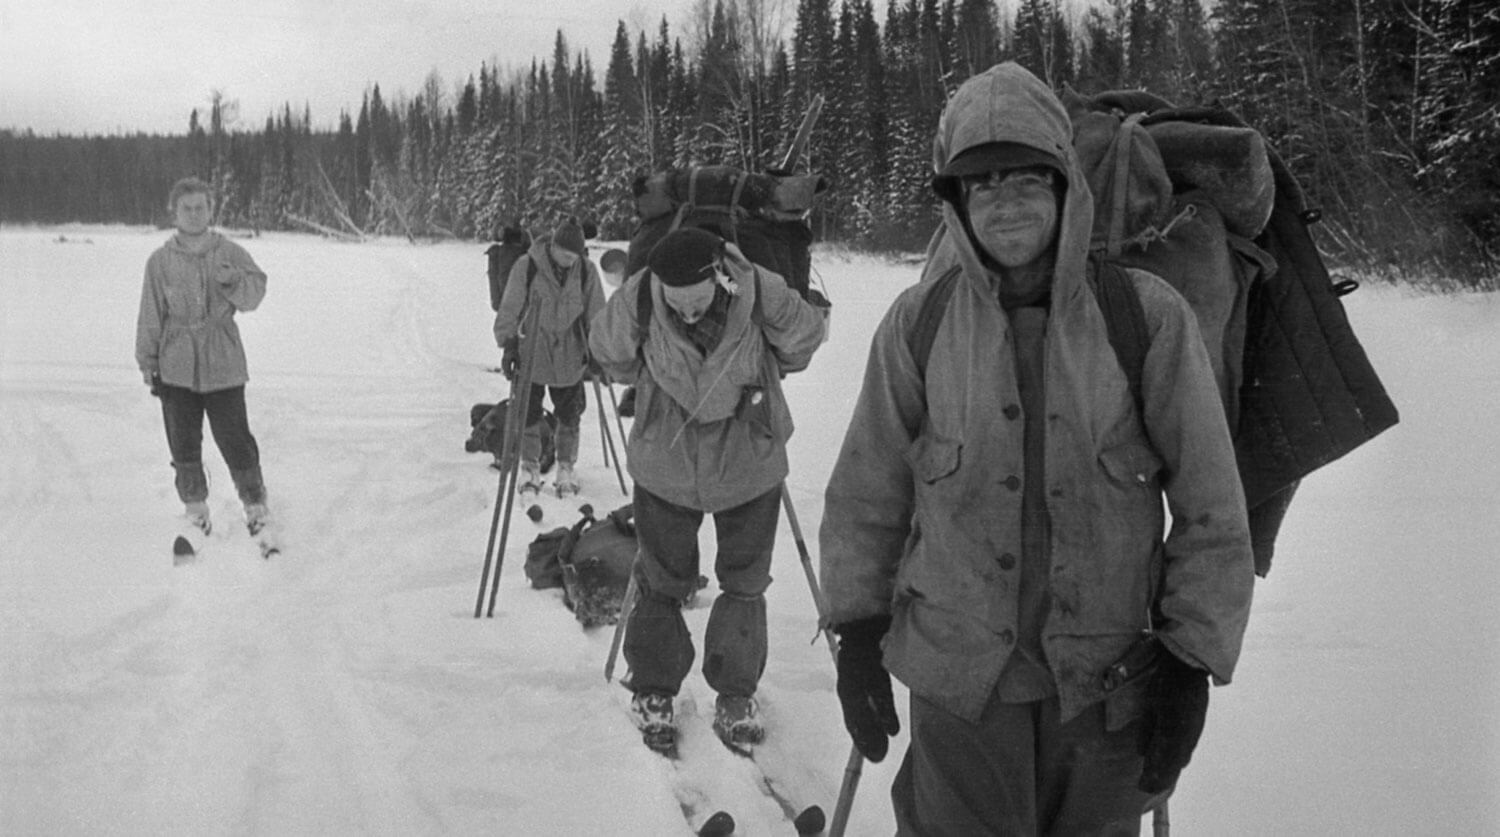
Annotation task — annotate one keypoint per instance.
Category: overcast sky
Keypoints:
(107, 66)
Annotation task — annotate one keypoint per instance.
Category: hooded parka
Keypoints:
(565, 305)
(185, 331)
(692, 442)
(923, 514)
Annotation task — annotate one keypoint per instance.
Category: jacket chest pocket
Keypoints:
(934, 458)
(1131, 464)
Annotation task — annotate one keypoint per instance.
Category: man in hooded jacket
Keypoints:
(556, 287)
(993, 527)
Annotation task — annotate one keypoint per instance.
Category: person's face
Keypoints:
(691, 301)
(1013, 213)
(192, 213)
(565, 258)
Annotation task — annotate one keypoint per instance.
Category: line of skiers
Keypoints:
(993, 530)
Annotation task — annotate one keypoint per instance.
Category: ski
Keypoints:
(265, 541)
(183, 551)
(810, 820)
(692, 800)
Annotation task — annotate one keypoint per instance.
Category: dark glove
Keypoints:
(510, 358)
(1176, 704)
(864, 686)
(153, 383)
(627, 403)
(593, 371)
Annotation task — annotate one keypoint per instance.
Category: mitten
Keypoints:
(510, 358)
(1176, 705)
(153, 383)
(864, 686)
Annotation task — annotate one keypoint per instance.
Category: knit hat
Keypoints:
(685, 257)
(991, 156)
(569, 237)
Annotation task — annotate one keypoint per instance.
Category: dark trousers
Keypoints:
(568, 404)
(1018, 773)
(658, 648)
(182, 414)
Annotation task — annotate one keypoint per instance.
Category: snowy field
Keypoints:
(345, 687)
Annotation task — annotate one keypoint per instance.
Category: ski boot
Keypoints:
(566, 482)
(197, 515)
(530, 479)
(737, 723)
(652, 712)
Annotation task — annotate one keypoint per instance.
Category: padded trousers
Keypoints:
(658, 647)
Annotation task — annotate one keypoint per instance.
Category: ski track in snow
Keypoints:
(345, 687)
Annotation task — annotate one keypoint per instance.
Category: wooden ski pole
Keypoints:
(627, 604)
(509, 464)
(856, 763)
(619, 422)
(610, 440)
(521, 392)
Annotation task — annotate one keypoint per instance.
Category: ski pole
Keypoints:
(856, 763)
(515, 428)
(619, 422)
(627, 604)
(1161, 826)
(489, 547)
(610, 440)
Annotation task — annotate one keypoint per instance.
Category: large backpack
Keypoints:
(513, 243)
(1197, 197)
(764, 214)
(591, 561)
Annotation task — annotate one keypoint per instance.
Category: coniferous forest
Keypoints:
(1388, 111)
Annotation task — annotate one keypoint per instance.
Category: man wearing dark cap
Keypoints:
(993, 533)
(557, 281)
(706, 337)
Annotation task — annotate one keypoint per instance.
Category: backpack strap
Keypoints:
(1125, 320)
(934, 307)
(1115, 293)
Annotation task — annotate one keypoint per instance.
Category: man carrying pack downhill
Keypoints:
(705, 336)
(557, 280)
(189, 351)
(993, 528)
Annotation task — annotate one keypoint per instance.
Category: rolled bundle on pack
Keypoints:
(1229, 165)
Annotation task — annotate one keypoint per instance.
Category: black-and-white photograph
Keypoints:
(750, 417)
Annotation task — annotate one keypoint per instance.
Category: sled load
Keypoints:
(590, 561)
(487, 432)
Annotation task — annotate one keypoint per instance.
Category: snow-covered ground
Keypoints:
(345, 687)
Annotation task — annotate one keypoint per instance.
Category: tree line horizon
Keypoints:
(1387, 111)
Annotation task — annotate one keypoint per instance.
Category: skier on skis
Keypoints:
(993, 528)
(189, 351)
(557, 278)
(709, 436)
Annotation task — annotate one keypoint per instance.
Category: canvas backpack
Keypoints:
(762, 213)
(591, 561)
(1197, 197)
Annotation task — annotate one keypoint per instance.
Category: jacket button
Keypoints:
(1007, 561)
(1012, 412)
(1008, 636)
(1013, 482)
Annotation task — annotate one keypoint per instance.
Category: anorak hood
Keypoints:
(1006, 103)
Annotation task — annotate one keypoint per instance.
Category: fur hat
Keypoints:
(685, 257)
(991, 156)
(569, 237)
